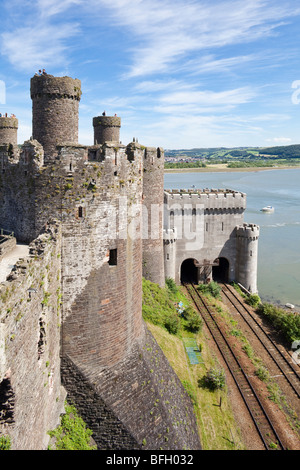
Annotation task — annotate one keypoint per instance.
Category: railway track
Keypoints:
(256, 409)
(281, 359)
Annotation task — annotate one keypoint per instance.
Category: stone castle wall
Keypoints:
(98, 203)
(142, 401)
(92, 260)
(203, 225)
(31, 395)
(153, 205)
(205, 222)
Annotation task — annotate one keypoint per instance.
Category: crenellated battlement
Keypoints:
(210, 199)
(250, 231)
(106, 129)
(8, 122)
(55, 87)
(8, 130)
(169, 235)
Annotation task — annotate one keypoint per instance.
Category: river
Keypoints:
(279, 241)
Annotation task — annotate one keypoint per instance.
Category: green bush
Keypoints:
(172, 324)
(193, 321)
(213, 288)
(285, 322)
(253, 300)
(5, 443)
(72, 433)
(171, 285)
(214, 379)
(262, 373)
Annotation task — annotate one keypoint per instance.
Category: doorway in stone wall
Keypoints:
(189, 271)
(220, 273)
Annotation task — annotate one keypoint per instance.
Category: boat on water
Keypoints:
(267, 209)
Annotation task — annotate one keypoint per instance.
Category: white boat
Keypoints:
(267, 209)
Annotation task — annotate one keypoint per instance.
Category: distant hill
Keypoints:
(289, 151)
(236, 153)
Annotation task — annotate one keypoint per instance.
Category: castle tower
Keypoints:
(153, 202)
(170, 252)
(8, 130)
(106, 129)
(247, 254)
(55, 103)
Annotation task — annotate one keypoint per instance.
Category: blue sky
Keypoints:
(180, 73)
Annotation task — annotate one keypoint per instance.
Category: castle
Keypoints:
(95, 220)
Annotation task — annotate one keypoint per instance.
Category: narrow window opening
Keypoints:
(70, 166)
(112, 257)
(80, 211)
(172, 219)
(42, 339)
(7, 403)
(222, 226)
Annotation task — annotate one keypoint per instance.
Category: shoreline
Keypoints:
(218, 169)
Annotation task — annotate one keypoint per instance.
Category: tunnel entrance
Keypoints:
(189, 271)
(220, 273)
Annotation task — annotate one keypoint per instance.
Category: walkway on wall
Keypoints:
(9, 259)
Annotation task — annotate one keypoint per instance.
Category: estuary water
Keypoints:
(279, 241)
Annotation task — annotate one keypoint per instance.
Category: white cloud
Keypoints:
(280, 140)
(231, 97)
(28, 49)
(170, 30)
(49, 8)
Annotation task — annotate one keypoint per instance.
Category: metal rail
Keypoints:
(256, 410)
(284, 365)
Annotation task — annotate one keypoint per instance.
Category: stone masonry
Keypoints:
(96, 218)
(207, 227)
(101, 355)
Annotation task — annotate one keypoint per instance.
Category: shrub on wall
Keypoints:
(72, 433)
(5, 443)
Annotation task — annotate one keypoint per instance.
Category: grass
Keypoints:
(216, 424)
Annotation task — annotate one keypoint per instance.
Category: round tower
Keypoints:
(169, 241)
(8, 130)
(153, 202)
(106, 129)
(55, 104)
(247, 254)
